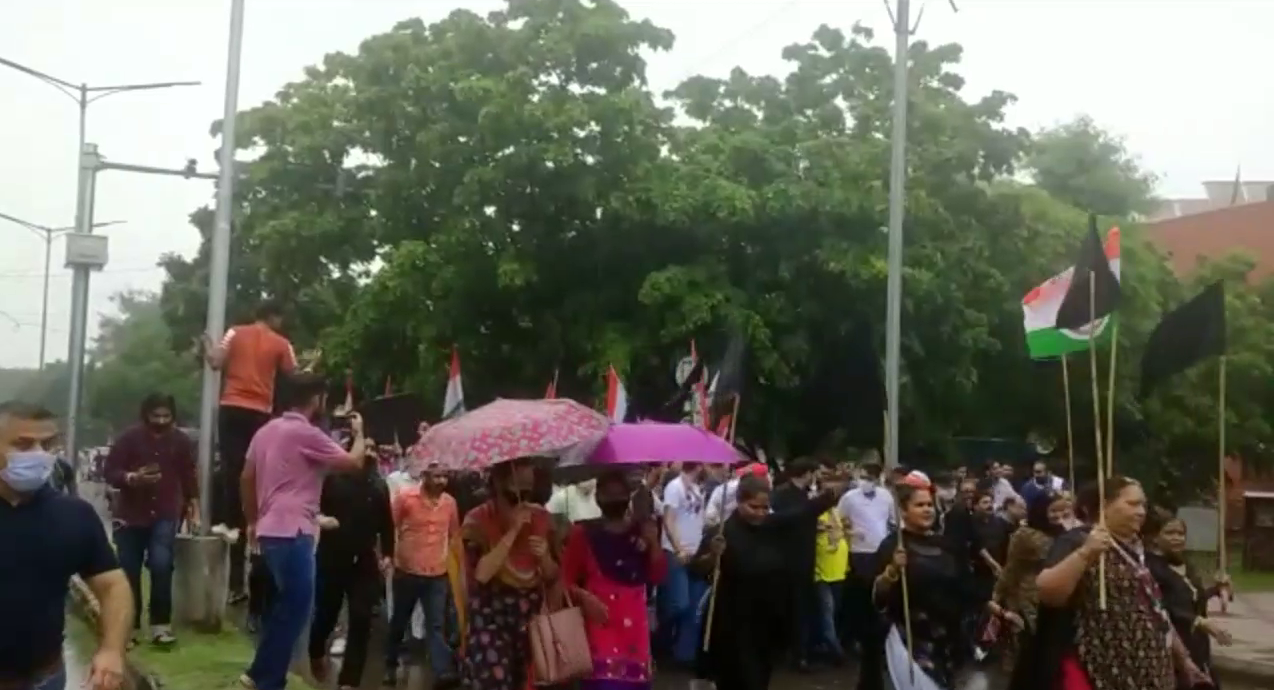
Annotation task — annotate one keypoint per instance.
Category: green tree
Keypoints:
(509, 185)
(1092, 169)
(130, 359)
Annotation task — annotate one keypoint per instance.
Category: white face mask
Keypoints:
(867, 484)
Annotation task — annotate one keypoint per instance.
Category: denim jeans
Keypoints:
(151, 545)
(679, 597)
(824, 619)
(430, 592)
(291, 564)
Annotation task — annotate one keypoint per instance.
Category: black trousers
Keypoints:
(235, 428)
(355, 582)
(865, 625)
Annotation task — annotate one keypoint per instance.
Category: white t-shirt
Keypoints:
(870, 517)
(574, 504)
(713, 513)
(1001, 490)
(685, 500)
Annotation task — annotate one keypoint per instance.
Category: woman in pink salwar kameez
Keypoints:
(615, 559)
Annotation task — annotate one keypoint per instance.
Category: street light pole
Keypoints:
(897, 203)
(47, 235)
(84, 95)
(219, 268)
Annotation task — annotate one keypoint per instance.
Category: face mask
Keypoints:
(867, 484)
(512, 497)
(160, 426)
(613, 510)
(27, 470)
(1042, 481)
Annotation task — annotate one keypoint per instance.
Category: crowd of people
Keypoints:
(719, 571)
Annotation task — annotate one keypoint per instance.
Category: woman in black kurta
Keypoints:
(940, 588)
(750, 622)
(1184, 596)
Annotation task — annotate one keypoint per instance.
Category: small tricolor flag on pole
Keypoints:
(616, 397)
(453, 401)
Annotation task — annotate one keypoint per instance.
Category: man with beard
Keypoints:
(152, 466)
(427, 525)
(355, 551)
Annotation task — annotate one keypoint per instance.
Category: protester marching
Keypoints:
(617, 531)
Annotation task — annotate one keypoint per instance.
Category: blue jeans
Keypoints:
(291, 564)
(679, 596)
(431, 593)
(824, 619)
(53, 681)
(151, 545)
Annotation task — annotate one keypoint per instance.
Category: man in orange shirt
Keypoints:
(249, 357)
(428, 525)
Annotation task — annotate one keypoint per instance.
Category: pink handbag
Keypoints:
(559, 644)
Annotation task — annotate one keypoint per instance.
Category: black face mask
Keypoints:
(511, 497)
(158, 427)
(613, 510)
(1042, 481)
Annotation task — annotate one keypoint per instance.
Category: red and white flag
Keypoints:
(616, 397)
(453, 401)
(550, 393)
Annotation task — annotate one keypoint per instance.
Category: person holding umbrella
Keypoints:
(509, 554)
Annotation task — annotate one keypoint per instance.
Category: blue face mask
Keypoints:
(27, 470)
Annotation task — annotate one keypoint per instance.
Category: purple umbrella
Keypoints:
(626, 445)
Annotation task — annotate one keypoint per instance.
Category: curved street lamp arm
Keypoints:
(100, 92)
(66, 87)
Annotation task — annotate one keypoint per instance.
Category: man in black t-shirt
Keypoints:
(46, 538)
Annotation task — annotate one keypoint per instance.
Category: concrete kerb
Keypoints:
(85, 607)
(1258, 673)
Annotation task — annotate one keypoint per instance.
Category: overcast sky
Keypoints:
(1181, 79)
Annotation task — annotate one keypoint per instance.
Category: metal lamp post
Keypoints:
(48, 234)
(84, 95)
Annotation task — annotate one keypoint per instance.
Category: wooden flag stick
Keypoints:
(1070, 433)
(1110, 400)
(906, 593)
(1101, 469)
(1222, 555)
(716, 567)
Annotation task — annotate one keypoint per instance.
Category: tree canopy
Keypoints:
(511, 185)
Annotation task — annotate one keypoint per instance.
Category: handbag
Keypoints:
(559, 644)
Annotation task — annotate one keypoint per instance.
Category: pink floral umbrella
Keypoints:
(506, 430)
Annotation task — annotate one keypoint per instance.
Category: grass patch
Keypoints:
(198, 661)
(1244, 580)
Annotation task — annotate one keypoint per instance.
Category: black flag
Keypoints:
(727, 383)
(1184, 337)
(1092, 267)
(393, 418)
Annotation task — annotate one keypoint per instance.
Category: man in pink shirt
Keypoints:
(281, 485)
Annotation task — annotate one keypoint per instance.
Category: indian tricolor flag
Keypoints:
(1039, 312)
(453, 399)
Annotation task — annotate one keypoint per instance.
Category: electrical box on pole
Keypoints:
(84, 250)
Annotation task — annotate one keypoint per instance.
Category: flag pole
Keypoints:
(1101, 470)
(1222, 555)
(1070, 434)
(716, 567)
(902, 578)
(1110, 399)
